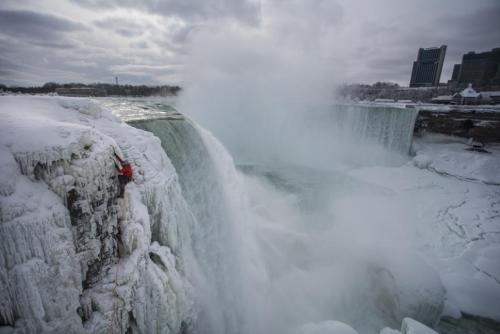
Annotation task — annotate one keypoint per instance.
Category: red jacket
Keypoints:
(126, 170)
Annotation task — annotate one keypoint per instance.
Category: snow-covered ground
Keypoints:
(465, 108)
(448, 200)
(451, 156)
(444, 108)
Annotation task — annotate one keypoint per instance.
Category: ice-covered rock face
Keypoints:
(40, 286)
(73, 256)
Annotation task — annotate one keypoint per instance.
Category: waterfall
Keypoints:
(211, 188)
(344, 136)
(250, 257)
(387, 126)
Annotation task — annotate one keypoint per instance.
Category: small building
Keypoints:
(468, 96)
(492, 97)
(443, 99)
(384, 101)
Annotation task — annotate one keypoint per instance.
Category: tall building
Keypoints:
(456, 72)
(427, 68)
(480, 69)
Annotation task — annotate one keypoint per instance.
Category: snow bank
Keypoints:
(448, 155)
(409, 326)
(453, 223)
(388, 330)
(325, 327)
(74, 257)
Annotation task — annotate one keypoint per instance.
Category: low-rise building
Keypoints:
(492, 97)
(467, 96)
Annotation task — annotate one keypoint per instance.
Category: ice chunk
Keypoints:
(388, 330)
(325, 327)
(422, 161)
(410, 326)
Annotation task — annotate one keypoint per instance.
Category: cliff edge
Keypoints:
(74, 257)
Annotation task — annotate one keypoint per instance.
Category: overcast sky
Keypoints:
(155, 42)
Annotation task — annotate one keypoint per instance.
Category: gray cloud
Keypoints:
(242, 10)
(29, 39)
(482, 23)
(25, 23)
(180, 35)
(149, 41)
(139, 45)
(7, 67)
(478, 31)
(122, 26)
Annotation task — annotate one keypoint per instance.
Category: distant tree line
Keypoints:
(389, 90)
(116, 90)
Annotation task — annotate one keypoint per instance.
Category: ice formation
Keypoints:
(74, 257)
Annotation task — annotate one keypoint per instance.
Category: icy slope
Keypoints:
(448, 156)
(454, 223)
(73, 256)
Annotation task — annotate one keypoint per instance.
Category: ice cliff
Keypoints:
(73, 256)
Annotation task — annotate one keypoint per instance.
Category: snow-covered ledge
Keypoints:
(73, 256)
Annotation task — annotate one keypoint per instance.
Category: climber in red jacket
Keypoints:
(124, 173)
